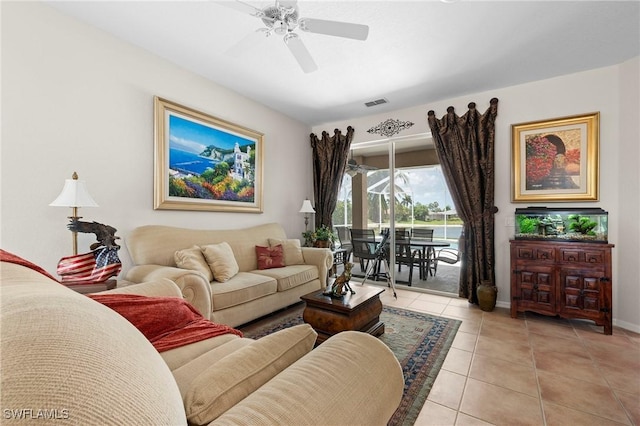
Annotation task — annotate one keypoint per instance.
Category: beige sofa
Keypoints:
(67, 359)
(247, 295)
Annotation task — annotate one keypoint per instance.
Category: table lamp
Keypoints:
(74, 194)
(306, 208)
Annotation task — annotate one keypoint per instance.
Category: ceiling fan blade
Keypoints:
(334, 28)
(357, 170)
(300, 52)
(353, 166)
(288, 3)
(249, 42)
(242, 7)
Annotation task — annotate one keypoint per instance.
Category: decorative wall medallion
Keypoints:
(390, 127)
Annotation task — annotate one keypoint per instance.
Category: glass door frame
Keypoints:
(391, 150)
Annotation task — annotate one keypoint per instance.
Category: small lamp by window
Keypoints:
(74, 194)
(307, 209)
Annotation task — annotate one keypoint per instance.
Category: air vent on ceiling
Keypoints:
(376, 102)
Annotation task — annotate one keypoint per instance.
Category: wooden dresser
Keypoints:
(568, 279)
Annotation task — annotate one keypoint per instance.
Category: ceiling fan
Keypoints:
(283, 19)
(353, 168)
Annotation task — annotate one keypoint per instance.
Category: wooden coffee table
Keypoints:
(359, 312)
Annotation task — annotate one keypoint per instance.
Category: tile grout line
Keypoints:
(466, 377)
(535, 372)
(596, 365)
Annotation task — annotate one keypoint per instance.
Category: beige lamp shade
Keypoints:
(307, 207)
(74, 194)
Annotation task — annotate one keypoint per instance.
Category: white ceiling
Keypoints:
(417, 51)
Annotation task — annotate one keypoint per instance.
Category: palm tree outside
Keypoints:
(420, 194)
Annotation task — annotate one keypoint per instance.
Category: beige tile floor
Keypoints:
(533, 370)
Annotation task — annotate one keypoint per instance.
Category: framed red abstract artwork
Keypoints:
(556, 160)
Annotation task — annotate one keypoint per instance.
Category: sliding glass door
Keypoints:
(398, 185)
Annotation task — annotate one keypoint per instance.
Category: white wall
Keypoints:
(76, 99)
(614, 92)
(628, 170)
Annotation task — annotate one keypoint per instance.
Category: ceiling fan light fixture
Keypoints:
(280, 28)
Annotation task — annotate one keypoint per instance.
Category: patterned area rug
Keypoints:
(419, 341)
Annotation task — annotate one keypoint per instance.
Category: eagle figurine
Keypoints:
(105, 234)
(341, 284)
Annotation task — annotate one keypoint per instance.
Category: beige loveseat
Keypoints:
(247, 295)
(67, 359)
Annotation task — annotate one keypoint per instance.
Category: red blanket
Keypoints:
(168, 322)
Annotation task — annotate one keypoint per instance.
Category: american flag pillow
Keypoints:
(90, 268)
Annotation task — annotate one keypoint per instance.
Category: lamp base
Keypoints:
(74, 235)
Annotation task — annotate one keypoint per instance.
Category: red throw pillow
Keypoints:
(270, 257)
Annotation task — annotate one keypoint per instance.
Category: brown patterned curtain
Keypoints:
(465, 147)
(330, 155)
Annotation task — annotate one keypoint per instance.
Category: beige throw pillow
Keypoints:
(221, 261)
(239, 374)
(193, 259)
(292, 251)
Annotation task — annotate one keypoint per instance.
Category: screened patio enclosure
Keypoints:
(420, 197)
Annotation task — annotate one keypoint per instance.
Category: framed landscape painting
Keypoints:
(205, 163)
(556, 160)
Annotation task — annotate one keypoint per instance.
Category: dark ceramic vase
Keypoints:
(487, 295)
(322, 244)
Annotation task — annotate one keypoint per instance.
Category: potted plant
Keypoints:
(309, 238)
(323, 237)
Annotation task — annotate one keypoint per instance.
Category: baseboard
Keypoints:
(506, 305)
(627, 325)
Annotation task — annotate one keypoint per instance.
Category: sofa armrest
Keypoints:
(322, 258)
(193, 285)
(358, 378)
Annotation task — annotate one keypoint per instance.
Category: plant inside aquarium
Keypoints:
(527, 225)
(582, 224)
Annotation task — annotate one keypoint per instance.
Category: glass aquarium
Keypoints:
(562, 224)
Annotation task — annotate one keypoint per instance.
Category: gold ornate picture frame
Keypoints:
(556, 160)
(205, 163)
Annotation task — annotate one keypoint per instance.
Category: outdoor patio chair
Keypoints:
(423, 233)
(363, 244)
(430, 263)
(344, 239)
(341, 250)
(447, 255)
(406, 255)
